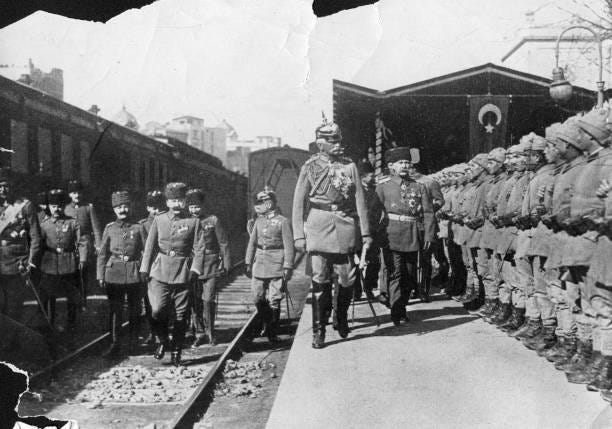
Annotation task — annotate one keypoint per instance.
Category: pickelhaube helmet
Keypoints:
(266, 194)
(329, 131)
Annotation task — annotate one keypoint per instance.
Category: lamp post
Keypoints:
(560, 89)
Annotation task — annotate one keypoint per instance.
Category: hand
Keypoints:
(23, 270)
(144, 277)
(604, 189)
(248, 271)
(193, 276)
(367, 241)
(102, 284)
(427, 246)
(82, 265)
(287, 273)
(300, 244)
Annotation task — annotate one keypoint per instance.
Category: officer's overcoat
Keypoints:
(19, 236)
(270, 247)
(63, 246)
(120, 252)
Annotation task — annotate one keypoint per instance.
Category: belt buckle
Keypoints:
(59, 250)
(334, 207)
(125, 258)
(172, 253)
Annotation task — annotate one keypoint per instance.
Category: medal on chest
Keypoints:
(340, 180)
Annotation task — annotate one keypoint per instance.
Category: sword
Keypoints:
(363, 263)
(288, 299)
(30, 284)
(83, 287)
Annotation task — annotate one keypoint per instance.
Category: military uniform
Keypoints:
(118, 267)
(63, 250)
(19, 249)
(407, 204)
(329, 195)
(270, 253)
(174, 249)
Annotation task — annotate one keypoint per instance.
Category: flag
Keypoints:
(488, 122)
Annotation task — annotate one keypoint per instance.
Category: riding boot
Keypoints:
(516, 320)
(210, 308)
(178, 337)
(51, 310)
(344, 302)
(321, 304)
(72, 316)
(115, 347)
(160, 327)
(273, 325)
(530, 329)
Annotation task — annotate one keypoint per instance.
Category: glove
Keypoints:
(144, 277)
(102, 283)
(287, 273)
(82, 265)
(300, 244)
(193, 276)
(247, 270)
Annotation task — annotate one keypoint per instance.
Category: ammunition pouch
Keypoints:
(475, 223)
(508, 220)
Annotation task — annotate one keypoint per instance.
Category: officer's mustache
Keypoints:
(123, 213)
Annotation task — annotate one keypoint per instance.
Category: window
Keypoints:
(143, 175)
(152, 176)
(32, 149)
(56, 156)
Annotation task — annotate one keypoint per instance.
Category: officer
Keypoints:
(64, 254)
(156, 204)
(91, 230)
(435, 192)
(217, 262)
(173, 258)
(586, 209)
(487, 263)
(336, 220)
(407, 203)
(269, 261)
(19, 250)
(459, 278)
(377, 232)
(123, 242)
(42, 203)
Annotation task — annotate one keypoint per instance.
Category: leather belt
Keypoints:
(124, 258)
(402, 218)
(172, 253)
(329, 207)
(272, 247)
(211, 251)
(59, 250)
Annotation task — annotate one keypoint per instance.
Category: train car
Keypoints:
(278, 168)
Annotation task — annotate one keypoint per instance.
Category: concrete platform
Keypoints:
(444, 369)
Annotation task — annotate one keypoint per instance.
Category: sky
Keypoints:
(264, 65)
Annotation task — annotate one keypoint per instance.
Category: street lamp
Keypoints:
(560, 89)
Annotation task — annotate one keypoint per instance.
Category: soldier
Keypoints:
(269, 261)
(406, 203)
(42, 203)
(375, 219)
(123, 242)
(459, 278)
(91, 230)
(487, 263)
(173, 258)
(156, 204)
(19, 251)
(64, 254)
(435, 192)
(329, 185)
(217, 262)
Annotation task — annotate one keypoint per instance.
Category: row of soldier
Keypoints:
(527, 232)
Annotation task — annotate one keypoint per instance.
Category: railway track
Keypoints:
(139, 391)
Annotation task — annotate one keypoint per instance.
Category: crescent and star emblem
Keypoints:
(489, 107)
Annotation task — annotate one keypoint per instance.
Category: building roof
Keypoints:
(125, 119)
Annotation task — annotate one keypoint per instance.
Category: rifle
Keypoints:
(363, 263)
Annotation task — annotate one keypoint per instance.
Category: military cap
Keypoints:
(365, 167)
(515, 149)
(480, 159)
(398, 153)
(533, 142)
(594, 124)
(155, 198)
(57, 197)
(120, 197)
(497, 154)
(571, 133)
(267, 194)
(195, 197)
(5, 175)
(551, 132)
(75, 186)
(175, 190)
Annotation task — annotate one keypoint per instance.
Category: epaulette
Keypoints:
(346, 160)
(383, 179)
(142, 221)
(313, 158)
(109, 224)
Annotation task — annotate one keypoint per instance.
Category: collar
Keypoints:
(593, 155)
(271, 214)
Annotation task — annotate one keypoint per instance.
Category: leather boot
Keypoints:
(114, 349)
(546, 337)
(160, 328)
(531, 329)
(578, 371)
(503, 315)
(178, 337)
(516, 320)
(344, 302)
(72, 316)
(489, 306)
(601, 371)
(566, 355)
(549, 340)
(495, 312)
(210, 308)
(273, 325)
(321, 303)
(555, 351)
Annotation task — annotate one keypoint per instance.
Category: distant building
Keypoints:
(125, 119)
(51, 83)
(215, 142)
(188, 129)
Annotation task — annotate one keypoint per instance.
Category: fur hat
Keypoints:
(75, 186)
(175, 190)
(57, 197)
(398, 153)
(120, 197)
(195, 197)
(155, 199)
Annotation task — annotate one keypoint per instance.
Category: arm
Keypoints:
(362, 209)
(250, 252)
(80, 244)
(223, 241)
(151, 247)
(436, 195)
(103, 254)
(428, 215)
(288, 244)
(33, 233)
(302, 188)
(199, 247)
(95, 226)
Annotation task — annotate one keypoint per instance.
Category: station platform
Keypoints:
(443, 369)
